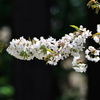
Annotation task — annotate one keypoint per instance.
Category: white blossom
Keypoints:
(98, 28)
(52, 50)
(96, 39)
(92, 54)
(80, 68)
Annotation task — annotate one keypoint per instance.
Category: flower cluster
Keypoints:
(78, 65)
(96, 37)
(52, 50)
(92, 53)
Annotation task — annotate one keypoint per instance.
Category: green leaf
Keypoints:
(75, 27)
(24, 54)
(95, 35)
(49, 50)
(43, 49)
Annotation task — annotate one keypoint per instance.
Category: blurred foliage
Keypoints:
(6, 88)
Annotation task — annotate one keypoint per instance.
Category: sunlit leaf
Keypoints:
(49, 50)
(75, 27)
(95, 35)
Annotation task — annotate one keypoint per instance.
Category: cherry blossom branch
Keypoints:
(52, 50)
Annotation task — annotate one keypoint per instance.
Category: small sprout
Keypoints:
(75, 27)
(95, 35)
(44, 49)
(29, 39)
(49, 50)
